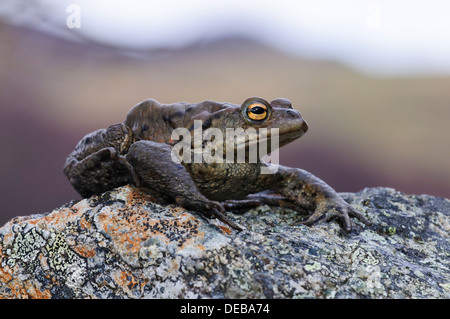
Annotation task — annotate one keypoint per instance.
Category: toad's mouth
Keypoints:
(252, 143)
(271, 140)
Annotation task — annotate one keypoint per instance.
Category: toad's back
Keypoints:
(152, 121)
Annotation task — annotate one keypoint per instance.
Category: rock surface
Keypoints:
(124, 245)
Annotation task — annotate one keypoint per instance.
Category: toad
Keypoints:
(140, 151)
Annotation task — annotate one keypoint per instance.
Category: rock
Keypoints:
(123, 244)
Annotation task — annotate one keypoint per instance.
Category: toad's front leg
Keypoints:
(312, 193)
(170, 180)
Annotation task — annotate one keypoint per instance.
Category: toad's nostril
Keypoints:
(292, 112)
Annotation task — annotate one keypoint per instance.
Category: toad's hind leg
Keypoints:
(99, 172)
(170, 180)
(97, 164)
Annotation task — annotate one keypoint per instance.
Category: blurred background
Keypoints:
(371, 78)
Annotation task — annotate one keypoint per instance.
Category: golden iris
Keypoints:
(257, 111)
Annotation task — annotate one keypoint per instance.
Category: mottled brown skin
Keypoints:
(138, 151)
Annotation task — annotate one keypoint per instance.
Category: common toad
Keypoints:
(139, 151)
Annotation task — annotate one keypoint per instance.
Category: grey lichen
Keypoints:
(122, 244)
(26, 246)
(64, 261)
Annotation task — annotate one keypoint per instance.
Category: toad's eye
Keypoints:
(257, 111)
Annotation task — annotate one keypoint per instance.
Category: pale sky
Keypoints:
(393, 37)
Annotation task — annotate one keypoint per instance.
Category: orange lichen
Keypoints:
(84, 223)
(60, 218)
(127, 226)
(25, 290)
(182, 228)
(225, 230)
(5, 275)
(84, 251)
(175, 265)
(138, 196)
(43, 261)
(127, 280)
(35, 293)
(9, 238)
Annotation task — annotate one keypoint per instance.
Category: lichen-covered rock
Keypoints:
(124, 245)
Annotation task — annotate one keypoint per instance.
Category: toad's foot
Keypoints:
(207, 208)
(311, 193)
(335, 207)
